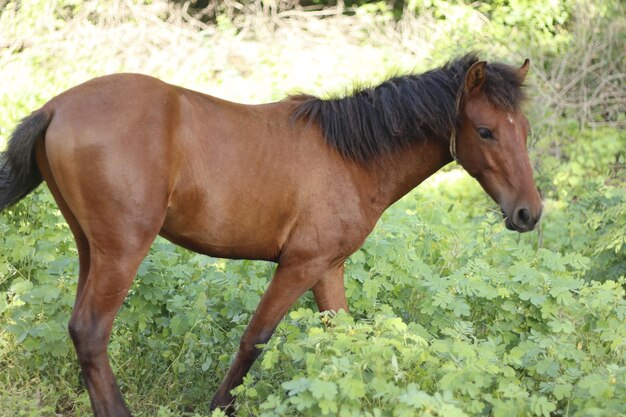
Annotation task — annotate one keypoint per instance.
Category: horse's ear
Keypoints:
(523, 70)
(475, 77)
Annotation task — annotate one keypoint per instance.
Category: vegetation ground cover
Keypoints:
(451, 314)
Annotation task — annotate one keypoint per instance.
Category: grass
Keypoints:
(262, 55)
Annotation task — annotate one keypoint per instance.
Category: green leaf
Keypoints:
(352, 388)
(541, 406)
(323, 389)
(562, 391)
(21, 286)
(296, 386)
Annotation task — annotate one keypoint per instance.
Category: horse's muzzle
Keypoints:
(521, 221)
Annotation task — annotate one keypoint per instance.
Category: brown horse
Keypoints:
(300, 182)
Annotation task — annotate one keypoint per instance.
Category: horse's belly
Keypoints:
(237, 231)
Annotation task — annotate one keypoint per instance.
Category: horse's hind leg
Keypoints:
(113, 234)
(117, 247)
(110, 275)
(82, 245)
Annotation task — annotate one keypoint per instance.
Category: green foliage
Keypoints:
(540, 24)
(584, 175)
(451, 315)
(534, 27)
(381, 366)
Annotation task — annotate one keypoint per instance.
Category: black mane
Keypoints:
(376, 120)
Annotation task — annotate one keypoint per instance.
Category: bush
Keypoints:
(450, 313)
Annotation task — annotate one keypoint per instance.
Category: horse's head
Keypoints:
(491, 141)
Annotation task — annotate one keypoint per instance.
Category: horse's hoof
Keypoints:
(228, 407)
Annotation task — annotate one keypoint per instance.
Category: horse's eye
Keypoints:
(485, 133)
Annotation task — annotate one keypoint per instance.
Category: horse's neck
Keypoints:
(398, 173)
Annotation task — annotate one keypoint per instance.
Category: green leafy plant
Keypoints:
(451, 315)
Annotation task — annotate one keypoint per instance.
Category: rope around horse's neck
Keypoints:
(453, 134)
(453, 144)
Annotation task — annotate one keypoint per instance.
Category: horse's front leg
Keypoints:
(330, 292)
(289, 283)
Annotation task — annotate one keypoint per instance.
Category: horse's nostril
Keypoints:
(524, 215)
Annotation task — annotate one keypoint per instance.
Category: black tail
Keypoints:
(19, 174)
